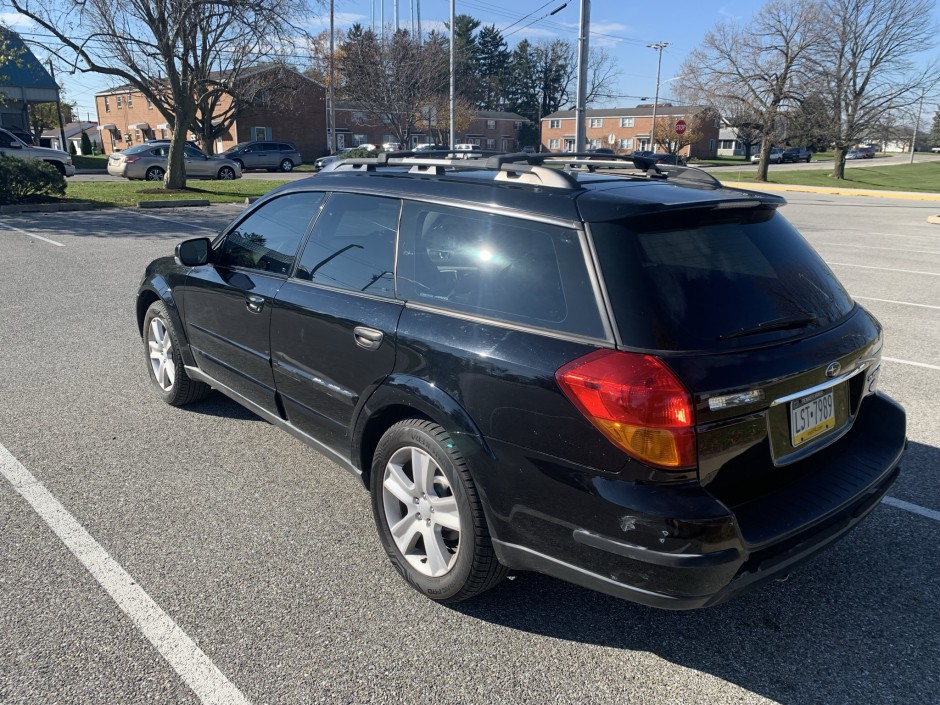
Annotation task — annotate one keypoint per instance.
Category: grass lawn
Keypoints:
(127, 193)
(904, 177)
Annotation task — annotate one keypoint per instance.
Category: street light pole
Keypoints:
(583, 35)
(453, 66)
(659, 46)
(331, 115)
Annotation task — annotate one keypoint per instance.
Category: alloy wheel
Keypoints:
(161, 355)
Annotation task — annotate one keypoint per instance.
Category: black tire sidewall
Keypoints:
(422, 435)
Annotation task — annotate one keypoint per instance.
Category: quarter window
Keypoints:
(490, 265)
(269, 237)
(352, 245)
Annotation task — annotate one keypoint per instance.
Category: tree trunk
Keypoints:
(175, 177)
(763, 164)
(838, 166)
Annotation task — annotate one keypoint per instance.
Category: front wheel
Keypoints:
(165, 364)
(226, 173)
(428, 514)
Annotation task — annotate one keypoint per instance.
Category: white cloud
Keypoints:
(15, 19)
(727, 14)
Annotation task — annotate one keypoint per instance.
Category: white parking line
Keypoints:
(915, 508)
(207, 682)
(884, 269)
(26, 232)
(892, 301)
(915, 364)
(875, 247)
(178, 222)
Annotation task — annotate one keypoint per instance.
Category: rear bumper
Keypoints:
(680, 548)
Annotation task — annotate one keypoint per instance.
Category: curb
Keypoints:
(182, 203)
(935, 219)
(47, 208)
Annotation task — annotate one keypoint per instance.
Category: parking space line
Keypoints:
(914, 364)
(875, 247)
(892, 301)
(178, 222)
(189, 661)
(914, 508)
(884, 269)
(26, 232)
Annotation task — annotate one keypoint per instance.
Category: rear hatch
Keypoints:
(777, 357)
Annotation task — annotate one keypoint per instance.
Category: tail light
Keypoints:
(636, 402)
(130, 160)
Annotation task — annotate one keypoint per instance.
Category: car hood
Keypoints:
(48, 151)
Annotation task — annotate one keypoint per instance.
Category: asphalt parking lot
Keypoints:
(161, 555)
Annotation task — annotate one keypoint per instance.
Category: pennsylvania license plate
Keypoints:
(811, 416)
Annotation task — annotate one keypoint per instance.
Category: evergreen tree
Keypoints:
(466, 78)
(935, 130)
(492, 68)
(86, 144)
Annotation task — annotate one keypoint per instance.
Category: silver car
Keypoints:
(148, 162)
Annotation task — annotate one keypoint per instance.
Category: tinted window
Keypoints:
(268, 238)
(500, 267)
(353, 244)
(192, 153)
(706, 281)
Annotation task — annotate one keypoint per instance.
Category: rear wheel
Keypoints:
(154, 173)
(226, 173)
(287, 165)
(161, 343)
(428, 514)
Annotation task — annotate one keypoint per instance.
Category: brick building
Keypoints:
(126, 117)
(492, 130)
(626, 130)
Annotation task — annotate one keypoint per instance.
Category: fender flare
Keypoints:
(156, 288)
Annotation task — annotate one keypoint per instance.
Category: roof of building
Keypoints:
(19, 67)
(72, 129)
(638, 111)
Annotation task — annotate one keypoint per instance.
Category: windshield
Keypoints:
(715, 280)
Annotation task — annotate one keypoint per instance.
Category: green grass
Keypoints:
(109, 194)
(924, 177)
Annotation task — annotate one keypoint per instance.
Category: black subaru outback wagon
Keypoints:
(643, 383)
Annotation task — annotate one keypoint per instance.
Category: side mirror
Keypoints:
(193, 253)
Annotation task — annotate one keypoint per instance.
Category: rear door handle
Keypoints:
(255, 303)
(368, 338)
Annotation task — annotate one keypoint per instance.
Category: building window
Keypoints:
(554, 144)
(569, 144)
(626, 143)
(517, 125)
(359, 139)
(626, 122)
(149, 104)
(711, 145)
(117, 101)
(597, 122)
(490, 124)
(130, 100)
(594, 144)
(358, 117)
(261, 133)
(137, 136)
(107, 104)
(554, 124)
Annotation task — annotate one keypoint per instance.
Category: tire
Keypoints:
(461, 563)
(154, 173)
(164, 362)
(287, 165)
(60, 167)
(226, 173)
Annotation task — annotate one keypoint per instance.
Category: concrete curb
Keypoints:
(834, 191)
(935, 219)
(47, 208)
(181, 203)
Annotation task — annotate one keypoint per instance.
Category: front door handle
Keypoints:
(255, 303)
(368, 338)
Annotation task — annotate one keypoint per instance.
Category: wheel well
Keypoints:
(60, 167)
(376, 427)
(143, 303)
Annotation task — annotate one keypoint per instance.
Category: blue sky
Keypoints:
(624, 27)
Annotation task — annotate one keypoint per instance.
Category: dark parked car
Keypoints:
(267, 154)
(867, 152)
(796, 154)
(664, 158)
(649, 385)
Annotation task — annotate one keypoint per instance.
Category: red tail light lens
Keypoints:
(635, 401)
(130, 160)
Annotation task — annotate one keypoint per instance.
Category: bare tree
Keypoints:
(167, 50)
(603, 76)
(757, 68)
(664, 132)
(393, 79)
(864, 64)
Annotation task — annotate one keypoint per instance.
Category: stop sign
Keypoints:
(680, 127)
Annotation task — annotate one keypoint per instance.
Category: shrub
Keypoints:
(21, 179)
(86, 144)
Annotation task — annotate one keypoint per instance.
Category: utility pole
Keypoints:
(659, 46)
(583, 35)
(453, 68)
(58, 108)
(331, 117)
(920, 109)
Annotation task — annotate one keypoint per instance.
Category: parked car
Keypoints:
(796, 154)
(391, 146)
(24, 136)
(430, 148)
(149, 162)
(468, 151)
(774, 157)
(265, 154)
(13, 146)
(323, 161)
(867, 152)
(854, 154)
(652, 387)
(665, 158)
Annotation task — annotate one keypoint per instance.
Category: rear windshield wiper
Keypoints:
(786, 323)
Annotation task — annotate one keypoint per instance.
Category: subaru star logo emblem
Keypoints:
(833, 369)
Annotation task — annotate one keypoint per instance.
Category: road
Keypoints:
(247, 567)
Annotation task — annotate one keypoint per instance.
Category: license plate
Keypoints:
(810, 416)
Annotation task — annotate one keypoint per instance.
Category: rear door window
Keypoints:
(508, 269)
(715, 280)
